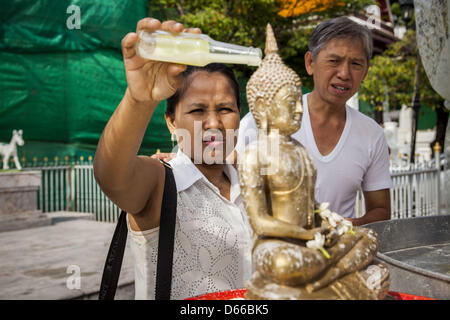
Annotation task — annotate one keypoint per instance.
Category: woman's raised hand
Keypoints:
(148, 80)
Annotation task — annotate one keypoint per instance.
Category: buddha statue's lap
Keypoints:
(290, 262)
(300, 252)
(286, 269)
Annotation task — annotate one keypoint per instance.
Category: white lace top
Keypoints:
(212, 238)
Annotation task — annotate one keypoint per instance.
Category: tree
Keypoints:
(395, 69)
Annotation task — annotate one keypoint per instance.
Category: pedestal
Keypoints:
(18, 201)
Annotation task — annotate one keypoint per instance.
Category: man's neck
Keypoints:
(324, 111)
(327, 123)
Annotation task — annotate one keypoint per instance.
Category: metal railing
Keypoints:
(73, 188)
(416, 191)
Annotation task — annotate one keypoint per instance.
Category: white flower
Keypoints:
(323, 210)
(324, 206)
(325, 215)
(344, 227)
(337, 217)
(317, 243)
(334, 219)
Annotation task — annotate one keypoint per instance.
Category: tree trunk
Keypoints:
(379, 115)
(441, 127)
(416, 108)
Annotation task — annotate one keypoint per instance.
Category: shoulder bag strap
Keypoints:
(114, 259)
(113, 264)
(166, 237)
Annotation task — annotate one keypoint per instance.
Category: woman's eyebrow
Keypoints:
(223, 104)
(204, 106)
(197, 105)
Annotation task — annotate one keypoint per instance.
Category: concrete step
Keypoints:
(25, 220)
(43, 262)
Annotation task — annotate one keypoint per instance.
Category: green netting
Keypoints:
(65, 97)
(44, 25)
(61, 85)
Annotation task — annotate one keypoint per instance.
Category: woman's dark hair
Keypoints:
(210, 68)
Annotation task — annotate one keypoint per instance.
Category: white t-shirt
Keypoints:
(212, 238)
(360, 160)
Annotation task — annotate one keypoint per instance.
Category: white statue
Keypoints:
(390, 132)
(10, 149)
(433, 40)
(404, 130)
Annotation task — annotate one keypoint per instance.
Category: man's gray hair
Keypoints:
(339, 28)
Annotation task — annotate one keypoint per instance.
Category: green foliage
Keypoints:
(395, 69)
(244, 22)
(395, 9)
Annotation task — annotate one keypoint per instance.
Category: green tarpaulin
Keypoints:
(61, 85)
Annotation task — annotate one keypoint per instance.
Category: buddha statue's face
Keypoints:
(286, 110)
(274, 92)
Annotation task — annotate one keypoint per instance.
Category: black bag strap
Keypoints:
(113, 264)
(166, 237)
(114, 259)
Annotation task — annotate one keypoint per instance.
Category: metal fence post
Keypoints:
(69, 188)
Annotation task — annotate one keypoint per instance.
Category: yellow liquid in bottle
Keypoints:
(191, 51)
(177, 50)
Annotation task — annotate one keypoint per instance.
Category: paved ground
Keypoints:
(41, 262)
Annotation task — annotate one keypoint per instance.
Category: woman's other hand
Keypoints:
(164, 156)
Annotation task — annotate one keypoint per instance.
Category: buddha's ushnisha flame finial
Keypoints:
(271, 74)
(271, 42)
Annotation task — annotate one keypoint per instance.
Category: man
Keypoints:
(348, 148)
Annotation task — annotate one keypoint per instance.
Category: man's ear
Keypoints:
(309, 63)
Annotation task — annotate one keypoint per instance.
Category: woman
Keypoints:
(212, 234)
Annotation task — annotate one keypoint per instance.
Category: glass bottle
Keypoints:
(193, 49)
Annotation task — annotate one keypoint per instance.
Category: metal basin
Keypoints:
(417, 252)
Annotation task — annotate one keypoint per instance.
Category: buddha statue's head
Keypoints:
(274, 92)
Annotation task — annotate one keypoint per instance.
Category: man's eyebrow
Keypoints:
(360, 60)
(333, 55)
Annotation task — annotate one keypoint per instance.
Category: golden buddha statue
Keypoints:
(301, 249)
